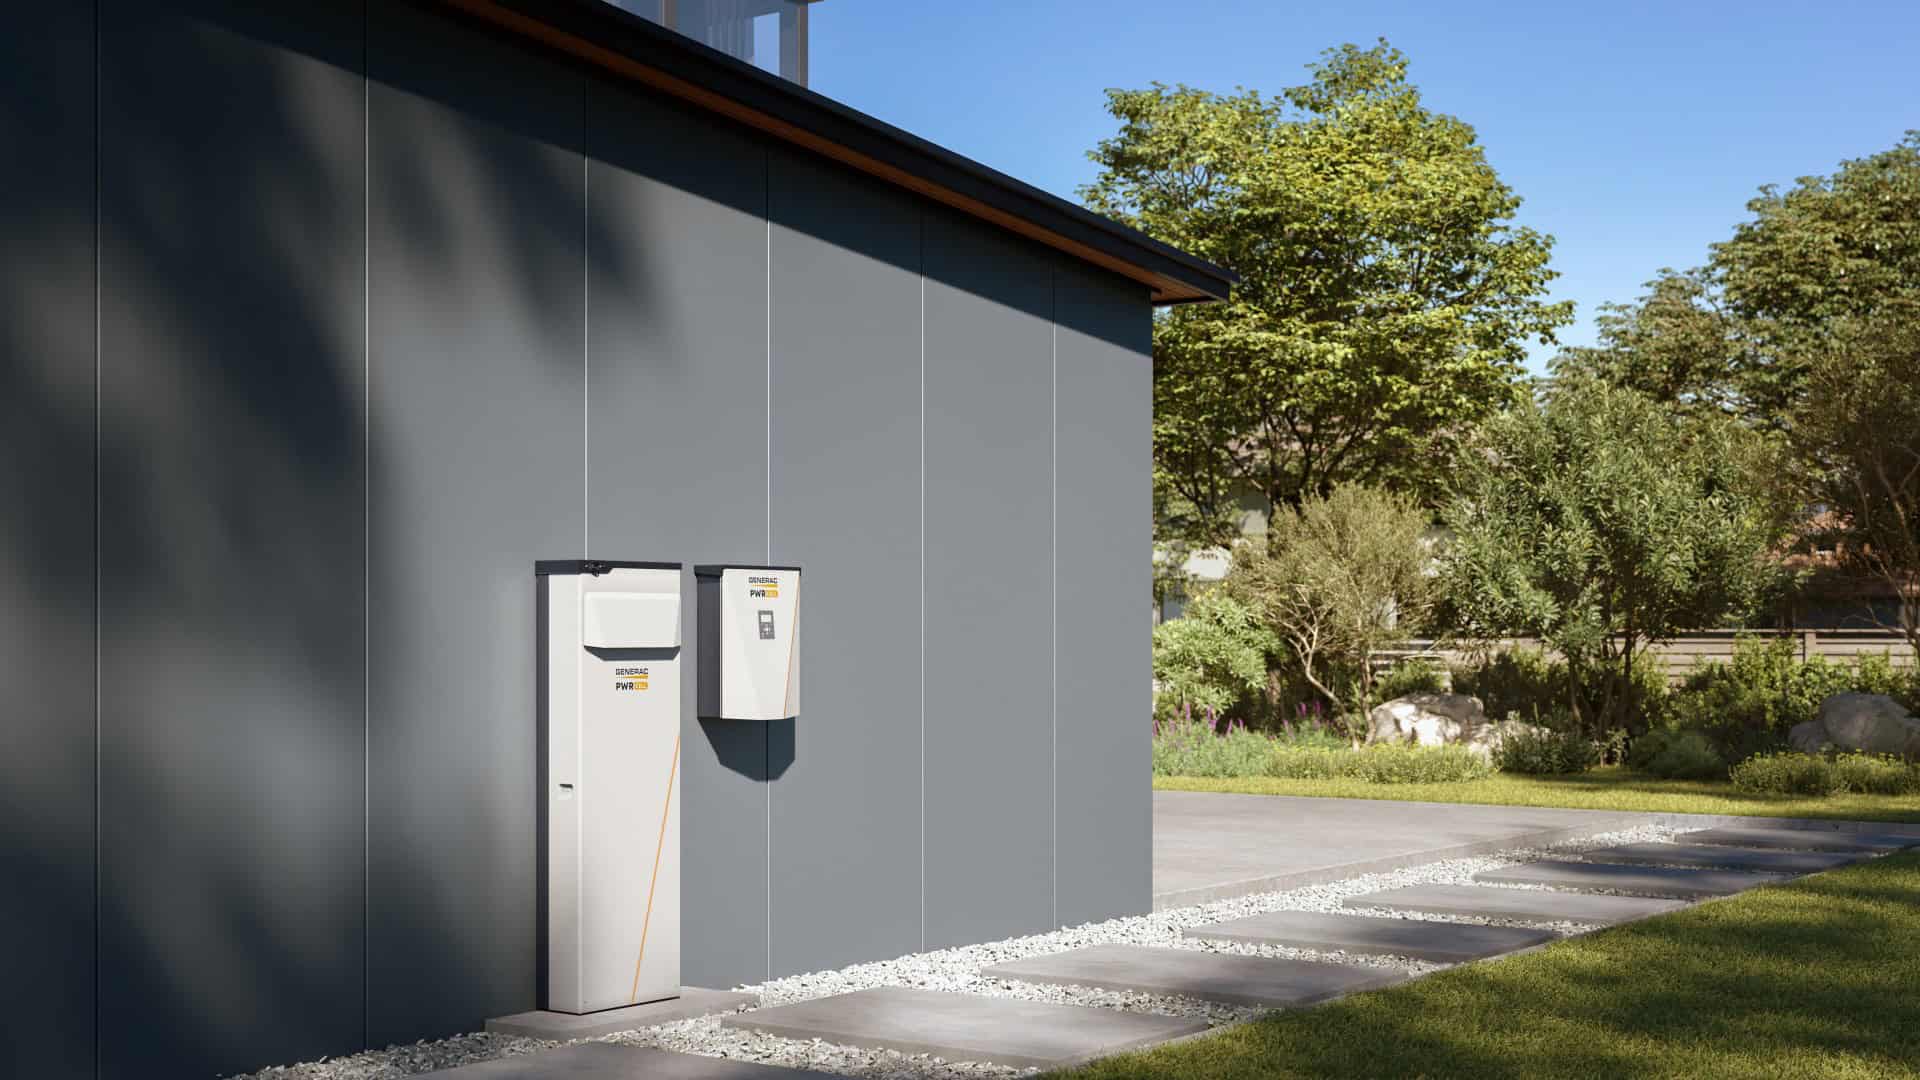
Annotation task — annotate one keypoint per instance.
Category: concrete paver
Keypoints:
(611, 1061)
(1227, 977)
(1414, 938)
(965, 1027)
(1674, 882)
(1210, 846)
(1800, 839)
(1529, 905)
(692, 1002)
(1732, 858)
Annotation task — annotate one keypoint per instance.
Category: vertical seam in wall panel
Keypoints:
(366, 523)
(766, 730)
(1053, 583)
(98, 271)
(923, 579)
(586, 321)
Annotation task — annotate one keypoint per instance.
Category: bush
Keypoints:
(1385, 763)
(1785, 774)
(1748, 705)
(1677, 755)
(1210, 658)
(1188, 747)
(1524, 683)
(1410, 677)
(1873, 774)
(1546, 753)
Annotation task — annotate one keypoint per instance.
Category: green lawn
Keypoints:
(1606, 788)
(1817, 978)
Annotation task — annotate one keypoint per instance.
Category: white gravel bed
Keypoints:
(959, 970)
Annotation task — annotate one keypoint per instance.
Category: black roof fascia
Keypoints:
(606, 26)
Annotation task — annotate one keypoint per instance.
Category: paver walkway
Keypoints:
(1522, 905)
(1004, 1031)
(1772, 860)
(1674, 882)
(611, 1061)
(1802, 839)
(1442, 942)
(1209, 846)
(1226, 977)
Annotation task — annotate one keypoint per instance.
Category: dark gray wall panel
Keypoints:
(846, 507)
(678, 453)
(1103, 511)
(46, 538)
(989, 680)
(477, 295)
(231, 494)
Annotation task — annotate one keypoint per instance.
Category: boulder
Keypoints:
(1874, 723)
(1428, 719)
(1808, 737)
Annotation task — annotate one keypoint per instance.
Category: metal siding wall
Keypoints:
(677, 468)
(846, 507)
(46, 538)
(1103, 507)
(230, 537)
(477, 274)
(989, 683)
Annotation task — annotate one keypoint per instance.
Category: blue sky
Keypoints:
(1635, 132)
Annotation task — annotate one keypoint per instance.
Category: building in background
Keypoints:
(321, 323)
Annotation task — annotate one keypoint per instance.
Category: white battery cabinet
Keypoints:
(749, 641)
(609, 736)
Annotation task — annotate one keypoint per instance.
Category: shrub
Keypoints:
(1748, 705)
(1410, 677)
(1545, 753)
(1183, 746)
(1874, 774)
(1210, 658)
(1385, 763)
(1677, 755)
(1524, 683)
(1785, 774)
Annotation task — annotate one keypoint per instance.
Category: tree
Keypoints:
(1385, 295)
(1859, 425)
(1210, 657)
(1599, 521)
(1339, 578)
(1679, 345)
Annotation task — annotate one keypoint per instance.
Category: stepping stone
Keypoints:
(1234, 979)
(610, 1061)
(1445, 943)
(1802, 839)
(1530, 905)
(963, 1027)
(565, 1027)
(1733, 858)
(1634, 880)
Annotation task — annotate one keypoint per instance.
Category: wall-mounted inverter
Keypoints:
(609, 665)
(749, 642)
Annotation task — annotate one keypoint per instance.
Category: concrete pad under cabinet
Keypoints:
(966, 1027)
(1440, 942)
(1227, 977)
(1731, 858)
(1528, 905)
(562, 1027)
(1679, 884)
(1800, 839)
(611, 1061)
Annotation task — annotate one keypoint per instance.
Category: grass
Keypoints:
(1813, 979)
(1607, 788)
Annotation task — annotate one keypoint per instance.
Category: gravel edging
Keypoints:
(959, 970)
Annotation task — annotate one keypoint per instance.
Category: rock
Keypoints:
(1487, 738)
(1808, 738)
(1874, 723)
(1428, 719)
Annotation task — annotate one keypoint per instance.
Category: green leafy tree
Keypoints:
(1599, 521)
(1678, 344)
(1338, 579)
(1385, 295)
(1211, 657)
(1859, 427)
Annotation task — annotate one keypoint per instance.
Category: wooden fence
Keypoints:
(1687, 652)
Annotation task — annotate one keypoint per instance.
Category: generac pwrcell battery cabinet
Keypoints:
(609, 734)
(749, 642)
